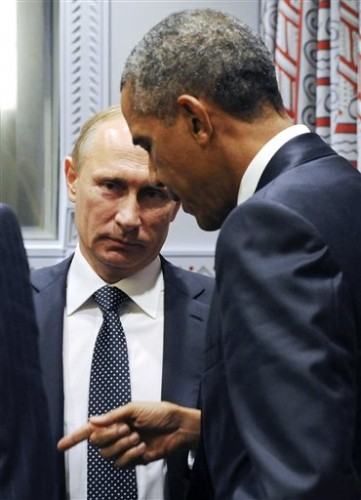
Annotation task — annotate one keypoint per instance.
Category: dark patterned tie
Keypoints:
(109, 388)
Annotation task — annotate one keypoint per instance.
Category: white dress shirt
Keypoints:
(143, 323)
(255, 169)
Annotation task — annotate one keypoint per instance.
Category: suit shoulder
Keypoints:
(195, 283)
(207, 281)
(186, 275)
(44, 276)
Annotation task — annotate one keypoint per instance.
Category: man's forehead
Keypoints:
(131, 114)
(125, 170)
(126, 101)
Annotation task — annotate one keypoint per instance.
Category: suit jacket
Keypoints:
(281, 387)
(26, 459)
(187, 296)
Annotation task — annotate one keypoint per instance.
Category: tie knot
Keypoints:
(110, 298)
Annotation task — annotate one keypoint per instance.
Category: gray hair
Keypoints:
(205, 53)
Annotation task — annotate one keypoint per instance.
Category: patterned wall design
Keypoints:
(316, 47)
(85, 70)
(84, 81)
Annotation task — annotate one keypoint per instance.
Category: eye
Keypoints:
(110, 185)
(156, 193)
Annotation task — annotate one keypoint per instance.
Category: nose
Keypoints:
(152, 172)
(155, 180)
(128, 216)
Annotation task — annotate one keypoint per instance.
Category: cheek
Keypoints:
(156, 223)
(164, 160)
(91, 212)
(167, 173)
(173, 165)
(92, 200)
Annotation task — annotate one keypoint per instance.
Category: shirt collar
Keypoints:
(143, 287)
(255, 169)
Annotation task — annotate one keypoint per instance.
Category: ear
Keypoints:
(71, 177)
(197, 114)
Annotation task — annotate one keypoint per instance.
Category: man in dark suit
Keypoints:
(281, 414)
(122, 222)
(26, 459)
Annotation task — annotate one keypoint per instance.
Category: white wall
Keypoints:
(129, 21)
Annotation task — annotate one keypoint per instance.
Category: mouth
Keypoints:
(173, 196)
(121, 243)
(186, 209)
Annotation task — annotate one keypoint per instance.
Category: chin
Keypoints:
(208, 223)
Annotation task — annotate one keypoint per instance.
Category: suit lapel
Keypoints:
(184, 326)
(50, 304)
(298, 150)
(49, 298)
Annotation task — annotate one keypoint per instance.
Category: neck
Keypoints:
(245, 139)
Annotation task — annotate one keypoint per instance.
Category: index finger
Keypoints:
(118, 415)
(75, 437)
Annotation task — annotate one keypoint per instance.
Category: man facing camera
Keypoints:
(157, 350)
